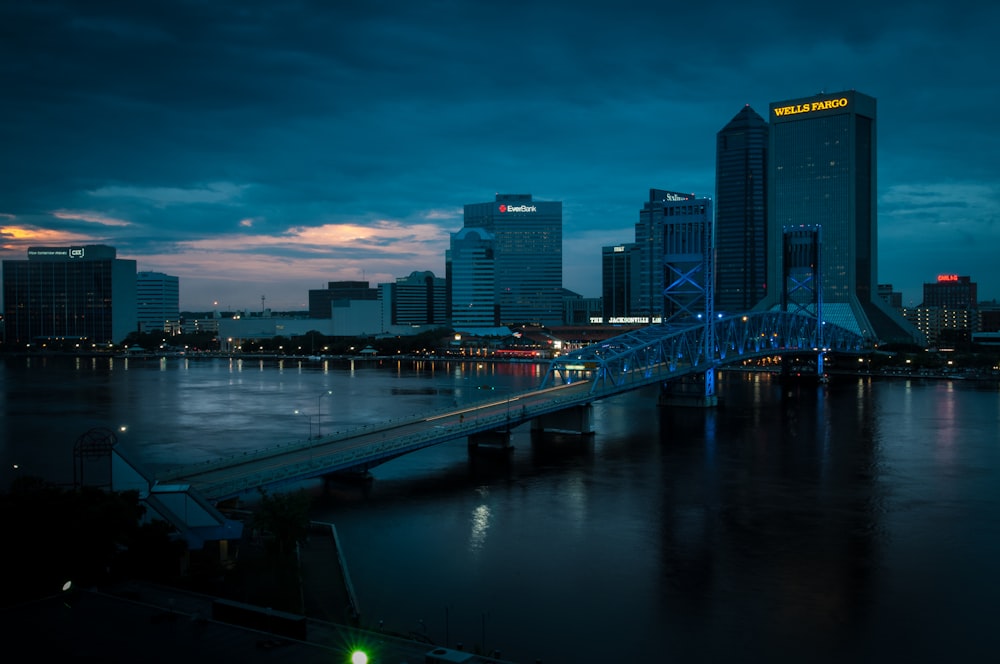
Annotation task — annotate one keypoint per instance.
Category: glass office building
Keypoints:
(82, 294)
(741, 212)
(527, 240)
(471, 266)
(158, 301)
(620, 265)
(821, 171)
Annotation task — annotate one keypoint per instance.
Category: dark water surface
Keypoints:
(858, 521)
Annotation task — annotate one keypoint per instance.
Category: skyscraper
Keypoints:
(741, 212)
(83, 293)
(821, 171)
(527, 240)
(620, 265)
(157, 301)
(472, 279)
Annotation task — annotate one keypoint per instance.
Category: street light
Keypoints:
(309, 417)
(319, 412)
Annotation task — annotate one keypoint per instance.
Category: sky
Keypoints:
(258, 150)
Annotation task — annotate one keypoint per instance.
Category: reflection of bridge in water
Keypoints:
(661, 354)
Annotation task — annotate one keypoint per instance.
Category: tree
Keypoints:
(88, 536)
(284, 520)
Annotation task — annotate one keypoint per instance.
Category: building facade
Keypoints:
(741, 212)
(620, 270)
(822, 171)
(321, 301)
(419, 299)
(527, 238)
(471, 265)
(948, 315)
(83, 293)
(951, 291)
(157, 302)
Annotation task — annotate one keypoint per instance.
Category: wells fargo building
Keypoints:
(77, 293)
(821, 172)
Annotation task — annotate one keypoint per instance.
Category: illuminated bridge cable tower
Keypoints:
(689, 296)
(802, 280)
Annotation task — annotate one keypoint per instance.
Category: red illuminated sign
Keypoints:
(942, 278)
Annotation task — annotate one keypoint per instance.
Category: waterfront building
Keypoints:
(951, 291)
(84, 294)
(948, 313)
(620, 279)
(741, 212)
(822, 171)
(988, 316)
(663, 211)
(891, 297)
(942, 325)
(579, 310)
(321, 301)
(527, 240)
(418, 299)
(471, 266)
(157, 302)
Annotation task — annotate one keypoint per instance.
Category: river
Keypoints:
(857, 520)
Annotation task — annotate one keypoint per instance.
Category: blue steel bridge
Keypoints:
(659, 354)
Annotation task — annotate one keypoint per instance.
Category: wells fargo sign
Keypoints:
(824, 105)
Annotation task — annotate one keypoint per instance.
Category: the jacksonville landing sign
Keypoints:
(824, 105)
(504, 208)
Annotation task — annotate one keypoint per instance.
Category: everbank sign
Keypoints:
(516, 208)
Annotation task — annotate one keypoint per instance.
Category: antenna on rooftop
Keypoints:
(262, 304)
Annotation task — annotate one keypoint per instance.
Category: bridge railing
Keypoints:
(188, 471)
(664, 350)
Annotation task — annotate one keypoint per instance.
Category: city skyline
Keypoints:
(267, 151)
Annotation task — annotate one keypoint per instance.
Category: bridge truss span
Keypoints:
(664, 352)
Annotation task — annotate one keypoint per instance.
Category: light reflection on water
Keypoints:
(854, 521)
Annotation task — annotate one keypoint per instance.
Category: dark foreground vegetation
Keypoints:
(90, 537)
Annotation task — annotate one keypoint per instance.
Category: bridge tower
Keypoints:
(802, 283)
(689, 295)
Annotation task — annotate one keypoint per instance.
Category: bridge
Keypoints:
(654, 355)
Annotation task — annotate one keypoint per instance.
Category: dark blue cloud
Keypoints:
(228, 123)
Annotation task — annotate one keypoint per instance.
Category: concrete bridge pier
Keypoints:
(690, 394)
(497, 440)
(577, 420)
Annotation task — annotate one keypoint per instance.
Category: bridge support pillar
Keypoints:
(690, 395)
(497, 440)
(803, 367)
(577, 420)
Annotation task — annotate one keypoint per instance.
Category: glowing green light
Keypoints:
(359, 657)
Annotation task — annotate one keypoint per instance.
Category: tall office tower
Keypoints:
(663, 207)
(418, 299)
(157, 301)
(952, 292)
(83, 293)
(472, 279)
(741, 212)
(620, 265)
(821, 171)
(528, 242)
